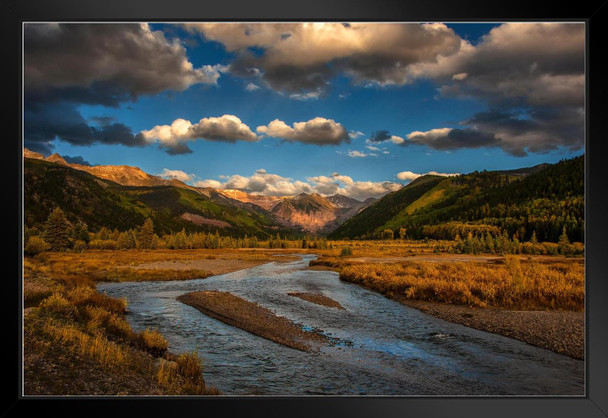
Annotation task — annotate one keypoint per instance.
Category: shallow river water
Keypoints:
(385, 348)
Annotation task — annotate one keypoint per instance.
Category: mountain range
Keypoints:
(130, 195)
(542, 199)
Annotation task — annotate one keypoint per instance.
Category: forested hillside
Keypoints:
(543, 202)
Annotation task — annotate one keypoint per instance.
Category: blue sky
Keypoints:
(454, 98)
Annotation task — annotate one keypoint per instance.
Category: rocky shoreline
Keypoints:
(559, 331)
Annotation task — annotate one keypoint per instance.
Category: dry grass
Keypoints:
(153, 342)
(510, 285)
(99, 265)
(186, 373)
(75, 332)
(110, 355)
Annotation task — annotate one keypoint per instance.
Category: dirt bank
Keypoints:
(253, 318)
(317, 298)
(558, 331)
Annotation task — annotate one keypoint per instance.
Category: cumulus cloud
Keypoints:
(307, 96)
(355, 134)
(268, 184)
(409, 175)
(252, 87)
(44, 123)
(75, 160)
(173, 138)
(450, 139)
(67, 65)
(537, 130)
(177, 175)
(318, 131)
(381, 136)
(537, 74)
(209, 183)
(302, 57)
(131, 57)
(357, 154)
(535, 68)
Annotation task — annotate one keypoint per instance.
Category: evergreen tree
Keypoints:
(563, 245)
(80, 232)
(126, 240)
(145, 238)
(534, 240)
(402, 233)
(56, 231)
(388, 234)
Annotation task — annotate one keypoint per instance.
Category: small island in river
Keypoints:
(253, 318)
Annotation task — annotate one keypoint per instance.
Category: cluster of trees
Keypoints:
(59, 234)
(450, 230)
(502, 244)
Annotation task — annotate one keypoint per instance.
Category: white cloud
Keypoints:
(226, 128)
(357, 154)
(318, 131)
(397, 139)
(409, 175)
(208, 183)
(355, 134)
(252, 87)
(268, 184)
(429, 135)
(176, 174)
(311, 95)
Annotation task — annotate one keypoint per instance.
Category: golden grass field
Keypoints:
(415, 271)
(512, 285)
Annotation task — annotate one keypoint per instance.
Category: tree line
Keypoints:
(58, 234)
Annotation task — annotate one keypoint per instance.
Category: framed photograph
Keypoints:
(321, 208)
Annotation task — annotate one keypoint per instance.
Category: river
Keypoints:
(385, 348)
